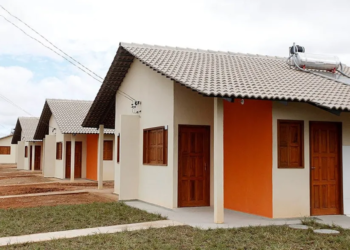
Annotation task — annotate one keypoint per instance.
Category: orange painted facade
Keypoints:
(91, 157)
(248, 157)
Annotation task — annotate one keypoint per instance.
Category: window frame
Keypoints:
(8, 150)
(104, 150)
(59, 149)
(302, 140)
(118, 148)
(145, 158)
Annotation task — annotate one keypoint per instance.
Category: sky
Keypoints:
(91, 30)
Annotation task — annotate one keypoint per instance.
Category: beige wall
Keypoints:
(11, 158)
(157, 96)
(50, 156)
(191, 108)
(108, 166)
(291, 187)
(59, 171)
(20, 155)
(129, 164)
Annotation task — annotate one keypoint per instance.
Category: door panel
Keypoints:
(194, 166)
(30, 157)
(37, 160)
(77, 160)
(325, 168)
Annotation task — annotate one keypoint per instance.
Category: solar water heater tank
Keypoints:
(320, 62)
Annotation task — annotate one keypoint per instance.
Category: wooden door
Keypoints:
(37, 159)
(30, 157)
(78, 159)
(325, 146)
(194, 166)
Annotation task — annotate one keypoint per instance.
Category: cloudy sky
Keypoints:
(90, 31)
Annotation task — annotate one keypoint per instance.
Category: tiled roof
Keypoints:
(69, 115)
(221, 74)
(25, 129)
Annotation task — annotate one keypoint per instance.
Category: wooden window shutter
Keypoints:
(290, 144)
(5, 150)
(108, 150)
(59, 150)
(155, 146)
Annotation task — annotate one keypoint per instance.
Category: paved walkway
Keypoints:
(338, 220)
(85, 232)
(203, 217)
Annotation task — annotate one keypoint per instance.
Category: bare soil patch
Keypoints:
(23, 179)
(50, 187)
(51, 200)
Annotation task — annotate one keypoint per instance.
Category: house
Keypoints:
(7, 150)
(228, 130)
(29, 150)
(66, 141)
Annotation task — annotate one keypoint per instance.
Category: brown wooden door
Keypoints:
(325, 168)
(78, 159)
(37, 159)
(30, 157)
(194, 166)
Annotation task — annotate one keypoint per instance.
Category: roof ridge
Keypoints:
(200, 50)
(67, 100)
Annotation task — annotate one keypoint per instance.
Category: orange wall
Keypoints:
(248, 156)
(91, 158)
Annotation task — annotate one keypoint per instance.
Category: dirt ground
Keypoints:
(52, 200)
(21, 182)
(50, 187)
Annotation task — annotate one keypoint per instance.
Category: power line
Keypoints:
(14, 104)
(125, 94)
(49, 48)
(50, 42)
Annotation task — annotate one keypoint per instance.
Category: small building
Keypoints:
(8, 151)
(228, 130)
(29, 150)
(66, 141)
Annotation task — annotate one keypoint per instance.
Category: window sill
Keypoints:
(291, 167)
(155, 165)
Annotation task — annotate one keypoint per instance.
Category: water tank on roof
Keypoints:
(320, 62)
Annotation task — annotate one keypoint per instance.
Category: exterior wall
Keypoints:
(50, 156)
(91, 160)
(291, 187)
(248, 156)
(78, 138)
(11, 158)
(108, 166)
(129, 165)
(191, 108)
(20, 155)
(156, 183)
(59, 164)
(27, 159)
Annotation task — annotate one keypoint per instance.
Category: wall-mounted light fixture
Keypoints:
(242, 101)
(166, 127)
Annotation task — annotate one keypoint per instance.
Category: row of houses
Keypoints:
(57, 144)
(192, 128)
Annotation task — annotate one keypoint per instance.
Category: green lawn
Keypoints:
(22, 221)
(185, 237)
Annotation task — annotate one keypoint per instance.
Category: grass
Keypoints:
(21, 221)
(185, 237)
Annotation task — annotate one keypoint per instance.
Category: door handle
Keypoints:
(313, 168)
